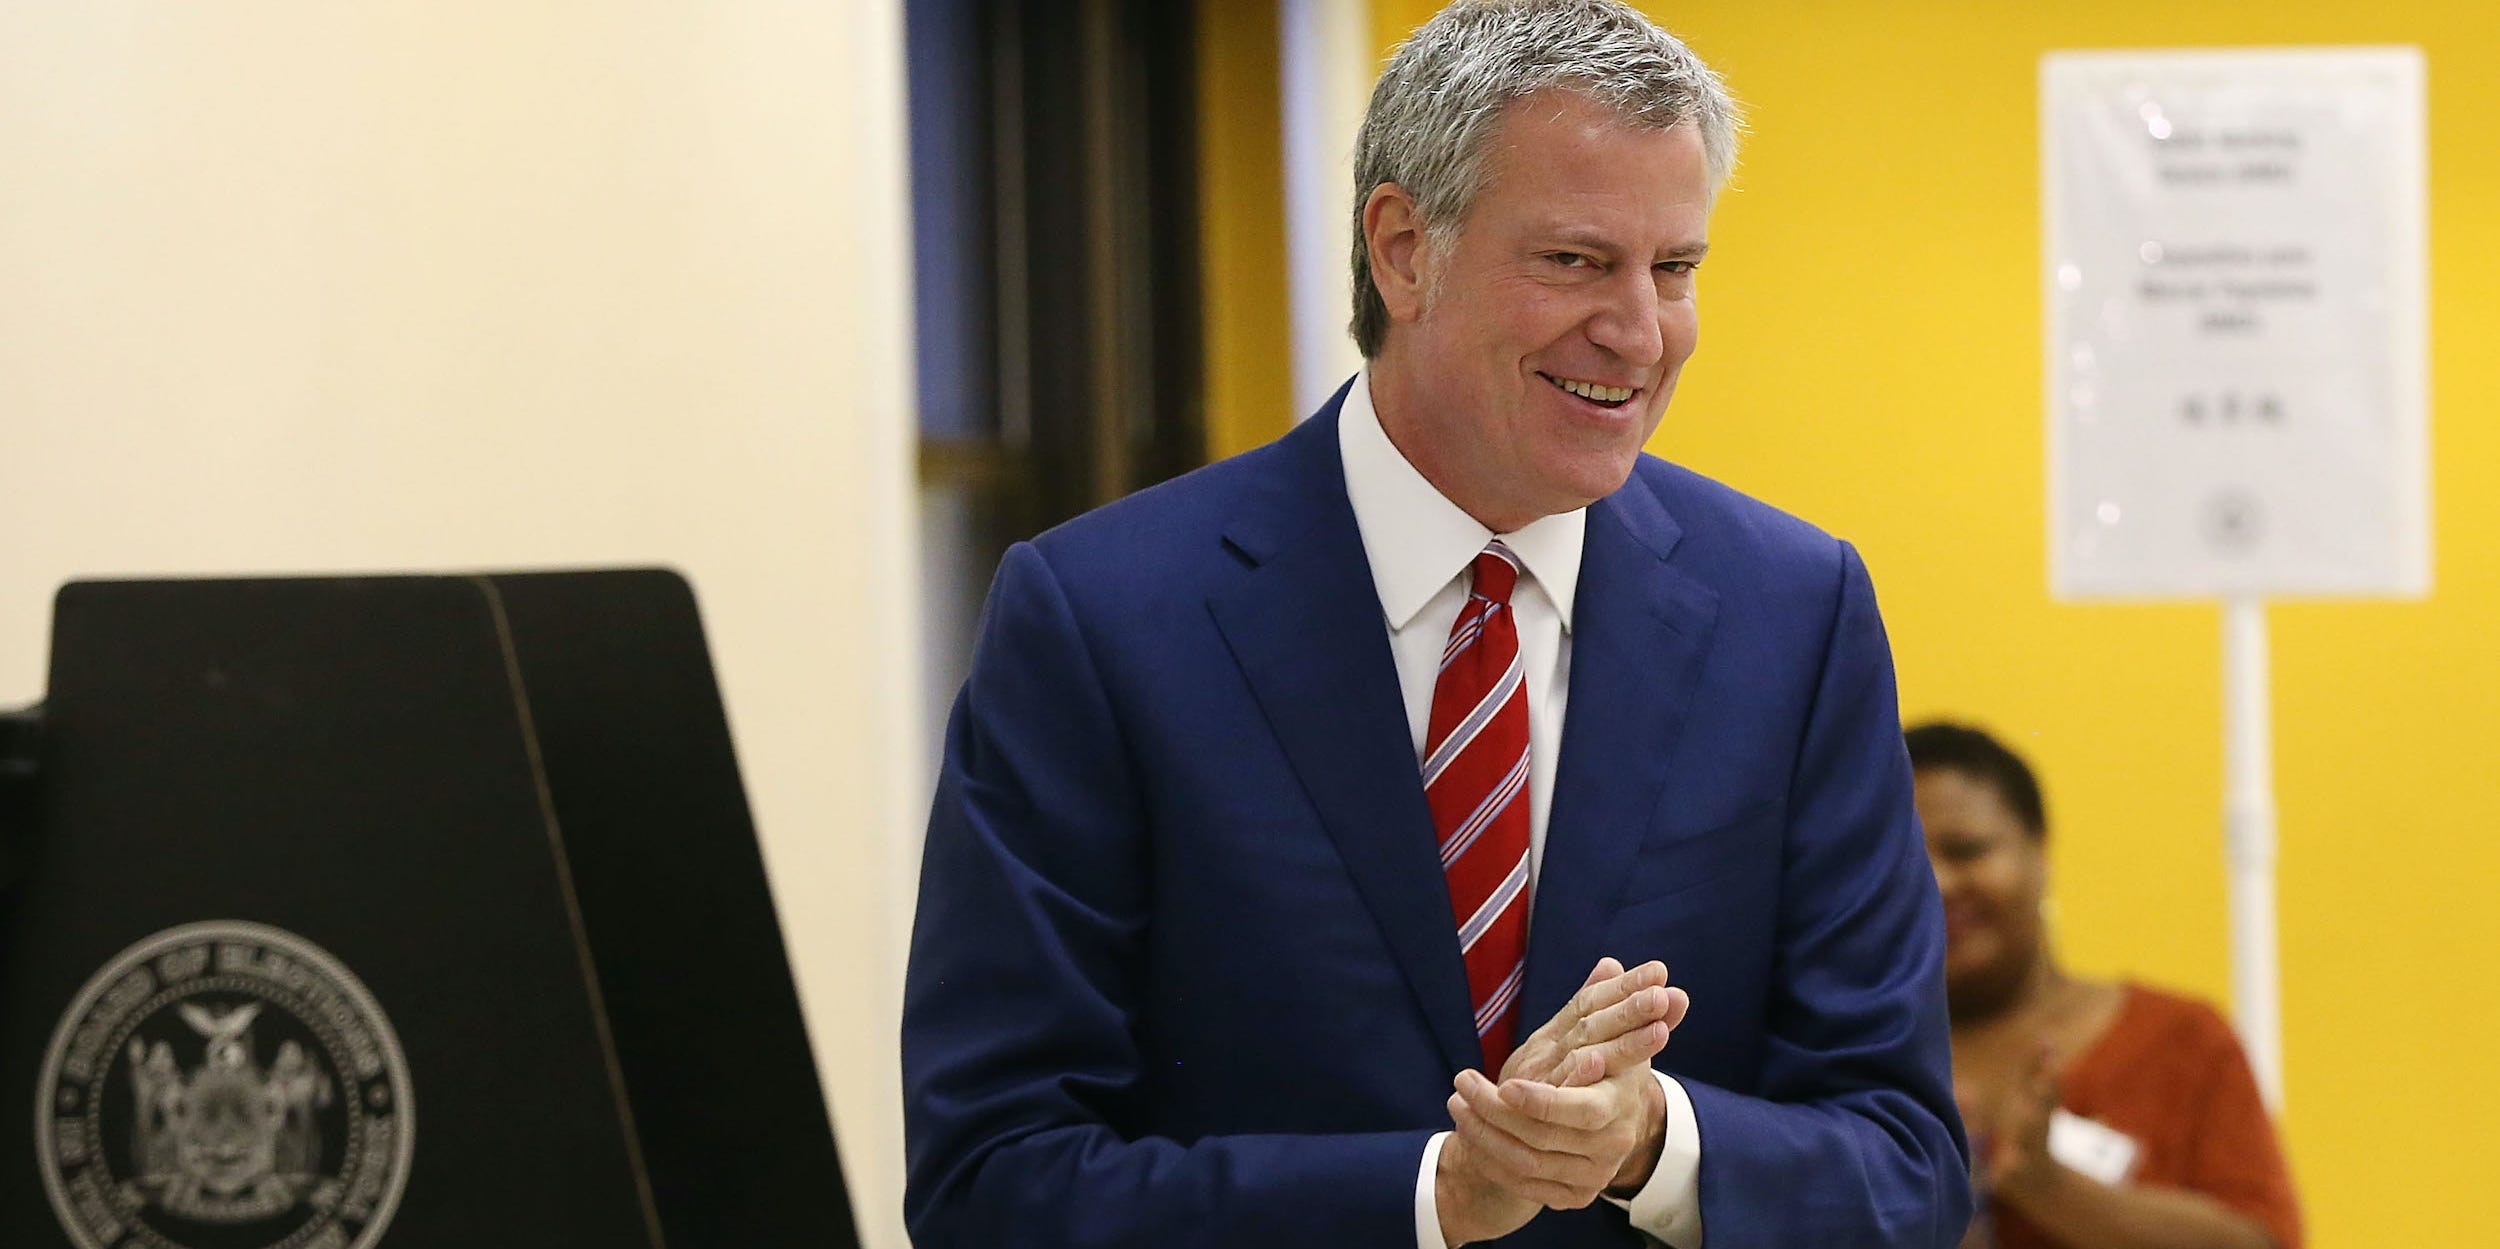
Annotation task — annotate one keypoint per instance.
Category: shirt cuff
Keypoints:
(1669, 1206)
(1427, 1203)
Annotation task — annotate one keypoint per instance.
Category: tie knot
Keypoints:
(1496, 574)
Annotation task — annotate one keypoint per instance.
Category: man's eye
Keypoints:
(1678, 266)
(1570, 260)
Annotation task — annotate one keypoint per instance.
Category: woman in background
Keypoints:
(2102, 1115)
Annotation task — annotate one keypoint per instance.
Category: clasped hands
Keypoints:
(2009, 1128)
(1576, 1113)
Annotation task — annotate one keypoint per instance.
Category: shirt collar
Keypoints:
(1417, 540)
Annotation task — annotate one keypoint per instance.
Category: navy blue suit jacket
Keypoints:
(1184, 970)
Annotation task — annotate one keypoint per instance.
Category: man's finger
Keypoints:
(1591, 1063)
(1579, 1069)
(1601, 994)
(1539, 1054)
(1657, 1004)
(1486, 1161)
(1598, 995)
(1542, 1055)
(1494, 1140)
(1546, 1117)
(1488, 1157)
(1574, 1110)
(1478, 1114)
(1483, 1102)
(1607, 969)
(1562, 1179)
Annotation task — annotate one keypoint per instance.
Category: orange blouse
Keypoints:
(2170, 1073)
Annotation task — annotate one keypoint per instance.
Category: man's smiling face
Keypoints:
(1554, 327)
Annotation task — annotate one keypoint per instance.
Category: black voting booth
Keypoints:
(418, 911)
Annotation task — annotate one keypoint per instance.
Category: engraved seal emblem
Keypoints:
(224, 1085)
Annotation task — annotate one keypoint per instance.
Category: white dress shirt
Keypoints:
(1420, 546)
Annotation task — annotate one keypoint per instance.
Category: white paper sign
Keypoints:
(2235, 271)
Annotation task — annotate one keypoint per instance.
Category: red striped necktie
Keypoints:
(1476, 780)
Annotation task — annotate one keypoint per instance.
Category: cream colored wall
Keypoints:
(294, 285)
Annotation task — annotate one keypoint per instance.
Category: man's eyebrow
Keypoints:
(1583, 240)
(1588, 241)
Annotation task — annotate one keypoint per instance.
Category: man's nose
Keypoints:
(1627, 323)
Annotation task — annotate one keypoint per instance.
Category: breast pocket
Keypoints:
(1679, 869)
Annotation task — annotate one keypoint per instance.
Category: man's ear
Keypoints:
(1394, 235)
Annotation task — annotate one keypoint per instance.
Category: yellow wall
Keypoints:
(1241, 224)
(1871, 360)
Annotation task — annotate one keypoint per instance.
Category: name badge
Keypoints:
(2091, 1147)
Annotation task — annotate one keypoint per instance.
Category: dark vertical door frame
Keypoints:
(1093, 254)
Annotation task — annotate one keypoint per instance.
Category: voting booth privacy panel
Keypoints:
(423, 910)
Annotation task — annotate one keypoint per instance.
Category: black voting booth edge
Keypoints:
(21, 752)
(476, 843)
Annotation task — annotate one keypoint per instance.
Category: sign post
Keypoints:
(2237, 396)
(2249, 840)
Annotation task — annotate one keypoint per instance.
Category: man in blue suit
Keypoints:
(1315, 832)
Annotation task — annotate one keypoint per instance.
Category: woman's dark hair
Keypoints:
(1963, 749)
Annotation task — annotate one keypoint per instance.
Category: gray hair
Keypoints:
(1436, 106)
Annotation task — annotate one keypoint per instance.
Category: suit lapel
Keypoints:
(1640, 630)
(1306, 629)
